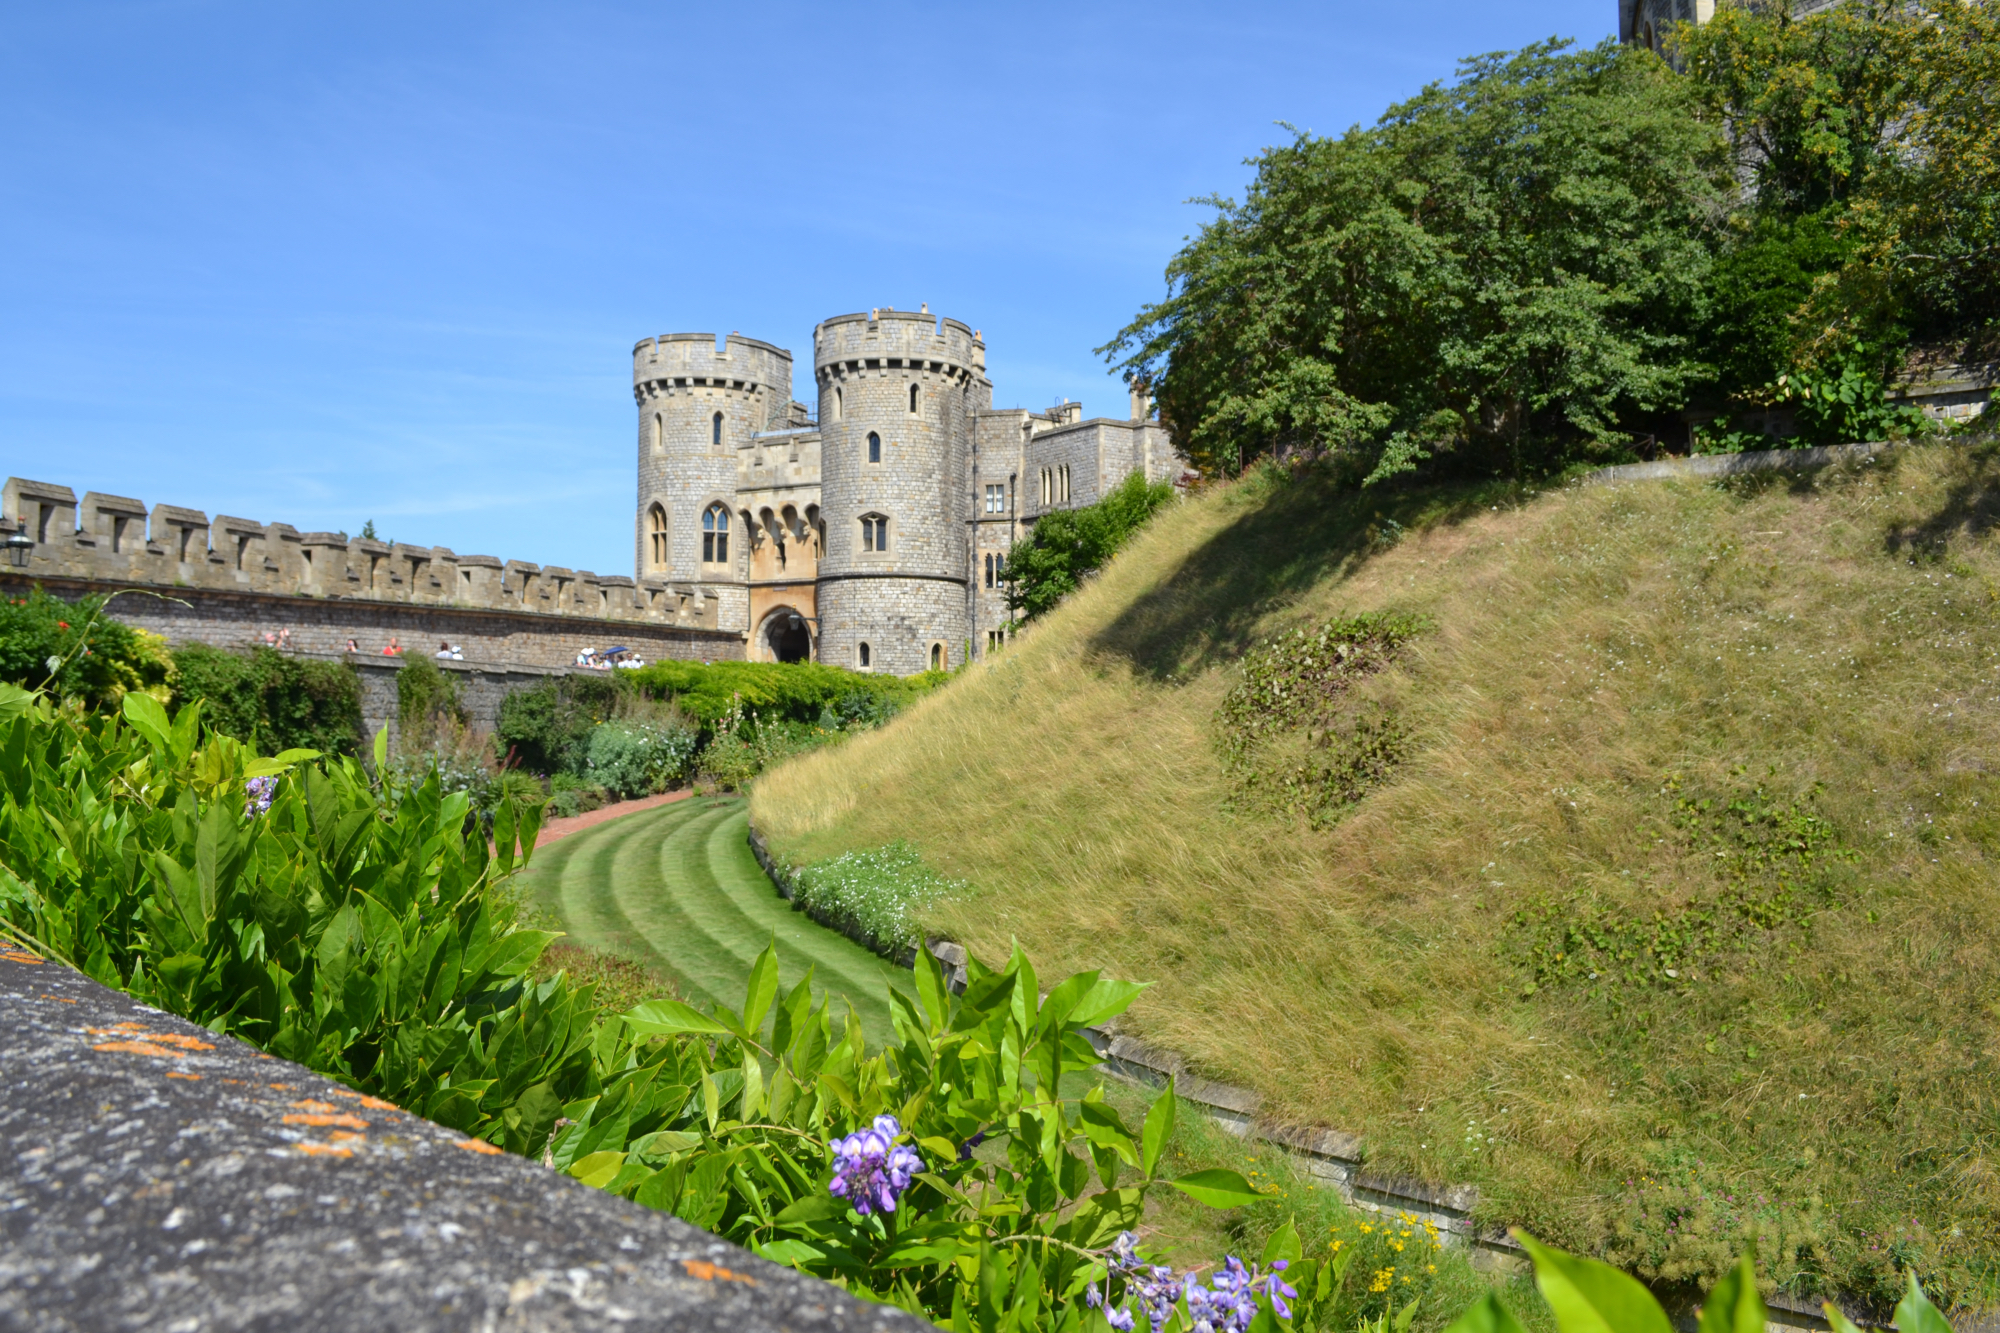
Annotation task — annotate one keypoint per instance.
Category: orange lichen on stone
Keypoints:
(175, 1073)
(136, 1048)
(324, 1149)
(708, 1272)
(16, 956)
(310, 1118)
(146, 1043)
(324, 1108)
(478, 1145)
(59, 999)
(342, 1136)
(372, 1103)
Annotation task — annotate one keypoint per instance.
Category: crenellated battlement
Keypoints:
(117, 539)
(883, 339)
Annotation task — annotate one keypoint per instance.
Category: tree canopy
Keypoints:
(1558, 252)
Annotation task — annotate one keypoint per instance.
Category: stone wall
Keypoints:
(118, 540)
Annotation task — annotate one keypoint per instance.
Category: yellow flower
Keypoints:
(1398, 1244)
(1434, 1268)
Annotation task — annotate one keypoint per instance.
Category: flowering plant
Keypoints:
(952, 1173)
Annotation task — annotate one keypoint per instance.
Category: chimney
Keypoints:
(1142, 400)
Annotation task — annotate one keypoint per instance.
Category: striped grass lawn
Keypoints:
(676, 888)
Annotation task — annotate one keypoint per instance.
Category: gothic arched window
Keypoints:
(656, 538)
(861, 655)
(715, 535)
(874, 447)
(913, 399)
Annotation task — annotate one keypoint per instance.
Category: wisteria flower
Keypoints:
(870, 1169)
(260, 791)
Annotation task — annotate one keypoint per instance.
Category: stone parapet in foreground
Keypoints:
(157, 1176)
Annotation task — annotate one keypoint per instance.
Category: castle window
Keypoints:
(861, 655)
(659, 431)
(937, 657)
(874, 447)
(716, 430)
(715, 535)
(1065, 483)
(656, 535)
(913, 400)
(996, 499)
(836, 402)
(874, 533)
(994, 639)
(989, 569)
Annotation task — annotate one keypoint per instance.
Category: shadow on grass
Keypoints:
(1293, 534)
(1971, 508)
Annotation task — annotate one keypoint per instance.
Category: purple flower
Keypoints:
(260, 791)
(870, 1170)
(965, 1148)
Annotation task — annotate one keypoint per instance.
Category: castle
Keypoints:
(873, 538)
(871, 534)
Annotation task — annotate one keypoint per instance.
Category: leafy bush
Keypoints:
(271, 701)
(785, 691)
(288, 902)
(632, 759)
(76, 651)
(1067, 544)
(879, 894)
(428, 705)
(547, 729)
(354, 929)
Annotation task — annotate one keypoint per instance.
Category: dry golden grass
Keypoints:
(1836, 629)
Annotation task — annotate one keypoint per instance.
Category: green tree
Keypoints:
(1047, 565)
(1509, 266)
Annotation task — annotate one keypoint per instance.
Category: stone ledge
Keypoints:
(1732, 465)
(158, 1176)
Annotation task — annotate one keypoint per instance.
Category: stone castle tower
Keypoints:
(871, 537)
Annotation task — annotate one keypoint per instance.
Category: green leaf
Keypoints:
(659, 1018)
(661, 1142)
(1837, 1321)
(1104, 1001)
(762, 988)
(1733, 1305)
(1159, 1128)
(791, 1253)
(931, 991)
(1486, 1315)
(14, 701)
(1592, 1297)
(1217, 1187)
(815, 1207)
(1915, 1314)
(753, 1086)
(149, 719)
(597, 1169)
(1284, 1244)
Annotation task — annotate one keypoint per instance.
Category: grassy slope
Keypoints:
(677, 889)
(1837, 629)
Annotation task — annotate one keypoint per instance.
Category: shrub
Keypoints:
(879, 893)
(637, 759)
(271, 701)
(1068, 544)
(547, 729)
(75, 651)
(427, 704)
(774, 691)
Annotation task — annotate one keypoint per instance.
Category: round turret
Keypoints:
(696, 404)
(897, 391)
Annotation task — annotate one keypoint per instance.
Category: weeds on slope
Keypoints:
(1830, 633)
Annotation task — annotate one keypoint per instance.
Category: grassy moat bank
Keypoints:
(1742, 732)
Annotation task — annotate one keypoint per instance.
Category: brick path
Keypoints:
(562, 828)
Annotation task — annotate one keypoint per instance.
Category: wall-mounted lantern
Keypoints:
(18, 544)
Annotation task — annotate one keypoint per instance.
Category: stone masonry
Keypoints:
(870, 536)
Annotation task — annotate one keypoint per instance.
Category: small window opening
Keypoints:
(659, 431)
(874, 533)
(187, 535)
(836, 402)
(242, 550)
(937, 657)
(874, 447)
(989, 569)
(715, 431)
(656, 525)
(715, 535)
(861, 655)
(913, 400)
(118, 534)
(47, 512)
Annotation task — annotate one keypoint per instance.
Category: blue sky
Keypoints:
(320, 264)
